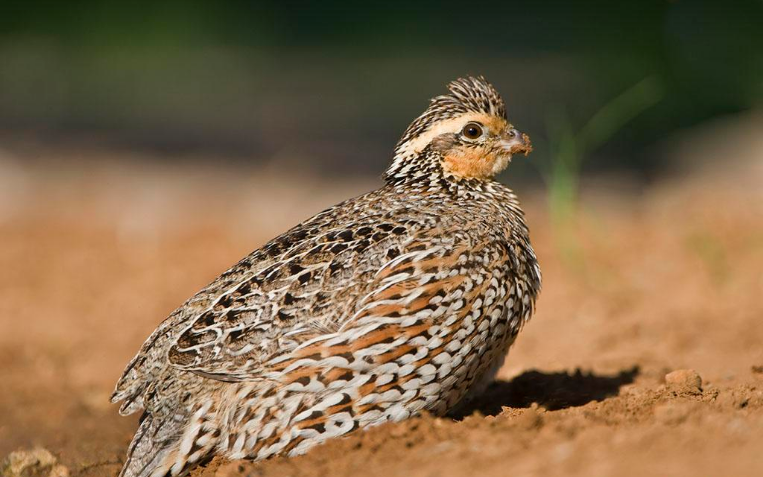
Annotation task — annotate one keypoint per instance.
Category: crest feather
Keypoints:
(474, 95)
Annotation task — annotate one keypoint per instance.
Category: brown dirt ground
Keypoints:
(95, 253)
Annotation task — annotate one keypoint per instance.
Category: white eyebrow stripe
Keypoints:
(451, 125)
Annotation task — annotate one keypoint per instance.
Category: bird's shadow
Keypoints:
(551, 391)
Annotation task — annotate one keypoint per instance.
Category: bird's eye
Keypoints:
(472, 131)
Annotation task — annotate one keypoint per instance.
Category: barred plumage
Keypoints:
(401, 300)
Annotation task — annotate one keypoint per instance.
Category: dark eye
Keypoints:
(472, 131)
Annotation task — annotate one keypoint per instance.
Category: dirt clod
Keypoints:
(59, 471)
(684, 381)
(28, 463)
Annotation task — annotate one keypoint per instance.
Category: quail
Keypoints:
(402, 300)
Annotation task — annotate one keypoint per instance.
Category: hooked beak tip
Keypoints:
(518, 143)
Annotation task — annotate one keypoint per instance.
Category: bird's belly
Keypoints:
(333, 399)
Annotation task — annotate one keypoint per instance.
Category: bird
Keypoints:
(400, 301)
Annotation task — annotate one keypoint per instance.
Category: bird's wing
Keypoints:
(295, 300)
(294, 288)
(429, 283)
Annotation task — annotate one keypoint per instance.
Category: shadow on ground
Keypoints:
(551, 391)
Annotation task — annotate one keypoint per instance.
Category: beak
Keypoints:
(515, 142)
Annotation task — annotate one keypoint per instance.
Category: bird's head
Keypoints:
(466, 132)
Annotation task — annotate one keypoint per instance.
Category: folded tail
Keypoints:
(169, 446)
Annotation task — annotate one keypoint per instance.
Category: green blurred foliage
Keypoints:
(318, 82)
(569, 148)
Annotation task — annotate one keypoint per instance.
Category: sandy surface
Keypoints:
(94, 254)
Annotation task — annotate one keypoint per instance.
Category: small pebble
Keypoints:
(684, 381)
(59, 471)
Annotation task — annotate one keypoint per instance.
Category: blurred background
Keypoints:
(331, 85)
(147, 146)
